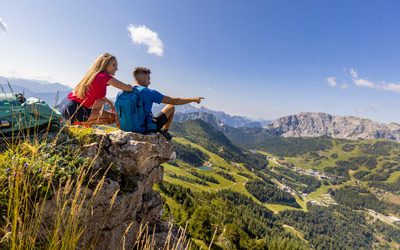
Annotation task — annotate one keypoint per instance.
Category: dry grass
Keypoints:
(146, 241)
(30, 176)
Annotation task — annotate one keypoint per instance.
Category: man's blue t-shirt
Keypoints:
(149, 97)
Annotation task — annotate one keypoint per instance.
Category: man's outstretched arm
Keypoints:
(180, 101)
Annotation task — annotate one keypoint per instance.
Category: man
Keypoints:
(165, 117)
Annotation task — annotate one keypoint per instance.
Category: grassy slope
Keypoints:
(238, 186)
(305, 161)
(216, 161)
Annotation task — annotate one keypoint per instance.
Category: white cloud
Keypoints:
(380, 86)
(3, 27)
(209, 88)
(395, 87)
(10, 71)
(353, 73)
(361, 82)
(392, 87)
(143, 35)
(361, 110)
(331, 81)
(373, 107)
(364, 83)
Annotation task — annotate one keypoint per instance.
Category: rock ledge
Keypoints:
(134, 162)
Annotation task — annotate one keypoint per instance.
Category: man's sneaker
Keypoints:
(167, 135)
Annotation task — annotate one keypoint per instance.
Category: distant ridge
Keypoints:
(38, 86)
(209, 118)
(223, 118)
(305, 124)
(309, 124)
(43, 90)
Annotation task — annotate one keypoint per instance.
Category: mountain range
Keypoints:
(303, 125)
(43, 90)
(343, 127)
(221, 117)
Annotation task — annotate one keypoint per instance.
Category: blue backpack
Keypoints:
(130, 108)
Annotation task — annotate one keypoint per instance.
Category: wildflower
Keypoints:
(26, 164)
(8, 169)
(15, 174)
(40, 170)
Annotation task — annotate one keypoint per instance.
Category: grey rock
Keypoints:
(344, 127)
(135, 162)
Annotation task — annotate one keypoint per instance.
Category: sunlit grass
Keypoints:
(217, 160)
(294, 231)
(32, 172)
(277, 207)
(393, 177)
(319, 192)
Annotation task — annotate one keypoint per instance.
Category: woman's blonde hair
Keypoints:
(98, 66)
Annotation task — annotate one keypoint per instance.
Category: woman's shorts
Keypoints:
(73, 111)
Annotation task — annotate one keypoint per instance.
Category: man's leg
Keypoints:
(169, 111)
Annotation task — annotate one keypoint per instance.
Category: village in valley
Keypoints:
(322, 199)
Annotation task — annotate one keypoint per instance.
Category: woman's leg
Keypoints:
(101, 116)
(73, 111)
(99, 104)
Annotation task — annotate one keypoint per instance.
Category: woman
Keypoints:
(85, 103)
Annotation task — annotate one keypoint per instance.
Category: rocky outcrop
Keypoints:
(345, 127)
(126, 198)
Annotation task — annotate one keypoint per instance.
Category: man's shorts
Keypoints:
(160, 119)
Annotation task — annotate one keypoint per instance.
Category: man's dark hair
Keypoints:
(140, 70)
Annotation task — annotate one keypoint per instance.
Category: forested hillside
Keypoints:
(283, 193)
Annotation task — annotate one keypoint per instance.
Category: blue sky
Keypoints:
(262, 59)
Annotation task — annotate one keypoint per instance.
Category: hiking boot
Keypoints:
(167, 135)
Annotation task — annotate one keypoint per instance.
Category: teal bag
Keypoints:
(31, 117)
(130, 109)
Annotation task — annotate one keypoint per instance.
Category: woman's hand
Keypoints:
(110, 103)
(113, 109)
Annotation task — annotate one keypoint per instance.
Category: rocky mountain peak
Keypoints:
(314, 124)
